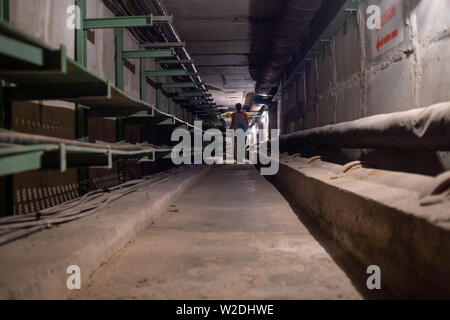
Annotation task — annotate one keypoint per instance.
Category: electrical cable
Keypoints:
(14, 228)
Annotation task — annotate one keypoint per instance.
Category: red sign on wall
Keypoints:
(391, 31)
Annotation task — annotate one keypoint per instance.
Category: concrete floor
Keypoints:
(234, 237)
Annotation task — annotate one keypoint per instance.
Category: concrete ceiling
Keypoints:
(228, 40)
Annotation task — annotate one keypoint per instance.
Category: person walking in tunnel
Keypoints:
(240, 121)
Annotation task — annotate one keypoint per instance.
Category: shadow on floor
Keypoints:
(355, 270)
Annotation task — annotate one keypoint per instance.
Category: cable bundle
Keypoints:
(16, 227)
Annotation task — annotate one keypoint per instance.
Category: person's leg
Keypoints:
(235, 143)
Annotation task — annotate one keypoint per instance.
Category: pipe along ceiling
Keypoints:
(300, 24)
(296, 18)
(299, 27)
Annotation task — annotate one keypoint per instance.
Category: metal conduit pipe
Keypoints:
(425, 128)
(297, 16)
(163, 11)
(18, 138)
(324, 17)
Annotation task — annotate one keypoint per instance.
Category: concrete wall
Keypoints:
(46, 20)
(376, 216)
(344, 80)
(351, 83)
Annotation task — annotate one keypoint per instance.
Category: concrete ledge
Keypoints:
(88, 242)
(377, 223)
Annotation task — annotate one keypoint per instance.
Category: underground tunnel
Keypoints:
(224, 150)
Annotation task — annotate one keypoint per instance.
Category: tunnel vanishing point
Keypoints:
(348, 100)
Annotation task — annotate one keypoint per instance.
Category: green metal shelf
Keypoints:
(61, 78)
(159, 45)
(39, 72)
(21, 152)
(125, 22)
(24, 50)
(57, 77)
(181, 61)
(178, 85)
(35, 71)
(43, 73)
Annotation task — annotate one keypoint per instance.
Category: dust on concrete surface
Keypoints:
(245, 244)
